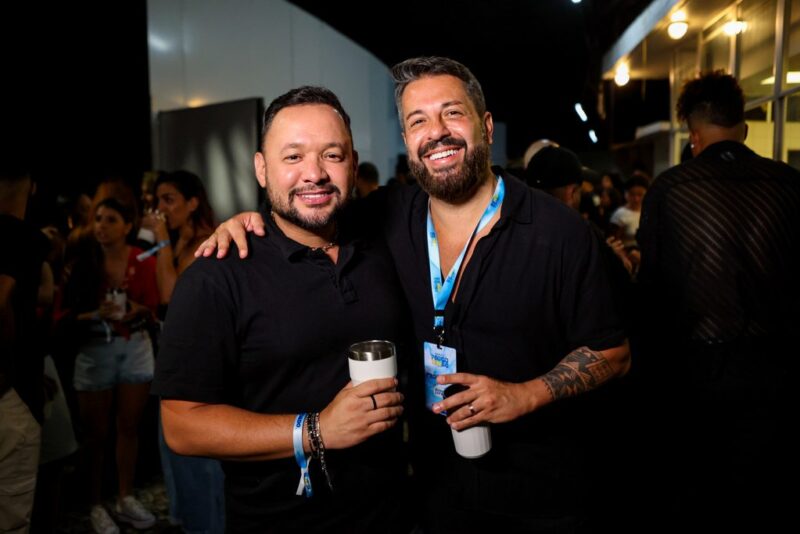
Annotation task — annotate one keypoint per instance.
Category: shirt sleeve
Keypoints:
(587, 305)
(198, 347)
(617, 218)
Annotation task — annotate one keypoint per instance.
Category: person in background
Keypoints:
(624, 222)
(21, 367)
(366, 179)
(720, 240)
(115, 363)
(182, 218)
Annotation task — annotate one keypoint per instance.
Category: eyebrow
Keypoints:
(444, 105)
(333, 144)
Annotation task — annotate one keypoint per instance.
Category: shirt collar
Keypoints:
(727, 150)
(291, 249)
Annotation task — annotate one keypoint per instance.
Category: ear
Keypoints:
(746, 131)
(193, 203)
(695, 142)
(488, 126)
(260, 164)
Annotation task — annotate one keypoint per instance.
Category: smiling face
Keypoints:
(447, 141)
(307, 165)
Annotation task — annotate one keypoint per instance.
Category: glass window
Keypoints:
(717, 53)
(760, 129)
(758, 48)
(792, 64)
(791, 131)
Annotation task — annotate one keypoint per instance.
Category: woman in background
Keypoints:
(116, 358)
(182, 220)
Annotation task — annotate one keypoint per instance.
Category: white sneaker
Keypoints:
(101, 521)
(130, 510)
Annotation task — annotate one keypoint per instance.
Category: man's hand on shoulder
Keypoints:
(234, 229)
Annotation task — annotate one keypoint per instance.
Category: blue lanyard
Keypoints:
(442, 289)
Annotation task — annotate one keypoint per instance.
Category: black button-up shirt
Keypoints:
(533, 291)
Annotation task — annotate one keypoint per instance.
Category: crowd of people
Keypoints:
(617, 337)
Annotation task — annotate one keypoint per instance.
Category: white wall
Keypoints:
(206, 51)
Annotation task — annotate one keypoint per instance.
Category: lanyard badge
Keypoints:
(439, 359)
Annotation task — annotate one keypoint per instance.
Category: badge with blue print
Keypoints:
(439, 360)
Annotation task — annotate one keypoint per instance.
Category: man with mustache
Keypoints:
(260, 380)
(506, 289)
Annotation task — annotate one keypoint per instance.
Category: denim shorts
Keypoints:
(102, 364)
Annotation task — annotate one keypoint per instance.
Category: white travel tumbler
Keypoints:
(472, 442)
(119, 297)
(372, 359)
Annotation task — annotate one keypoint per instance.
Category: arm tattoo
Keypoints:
(581, 370)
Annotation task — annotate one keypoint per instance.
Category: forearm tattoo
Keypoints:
(581, 370)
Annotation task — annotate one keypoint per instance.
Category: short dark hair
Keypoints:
(413, 69)
(637, 180)
(715, 98)
(368, 172)
(300, 96)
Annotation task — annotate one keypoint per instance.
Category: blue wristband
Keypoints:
(149, 252)
(300, 455)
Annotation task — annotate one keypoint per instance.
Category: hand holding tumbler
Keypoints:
(372, 359)
(472, 442)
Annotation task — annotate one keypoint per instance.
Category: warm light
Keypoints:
(792, 76)
(678, 16)
(593, 136)
(196, 102)
(677, 30)
(581, 113)
(622, 74)
(734, 27)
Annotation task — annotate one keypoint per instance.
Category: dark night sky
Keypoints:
(75, 81)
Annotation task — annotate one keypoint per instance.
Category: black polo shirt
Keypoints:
(269, 334)
(533, 291)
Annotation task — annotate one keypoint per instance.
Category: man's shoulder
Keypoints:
(231, 267)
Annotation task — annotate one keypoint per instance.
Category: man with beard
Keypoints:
(508, 298)
(260, 379)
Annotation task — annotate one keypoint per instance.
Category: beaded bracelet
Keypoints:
(317, 445)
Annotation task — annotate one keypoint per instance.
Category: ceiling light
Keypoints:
(793, 76)
(576, 1)
(734, 27)
(593, 136)
(678, 25)
(581, 113)
(677, 30)
(622, 75)
(678, 16)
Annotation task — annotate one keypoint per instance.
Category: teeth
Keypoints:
(440, 155)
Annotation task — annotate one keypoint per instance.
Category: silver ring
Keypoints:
(471, 410)
(374, 403)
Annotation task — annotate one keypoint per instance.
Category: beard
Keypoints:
(319, 219)
(453, 185)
